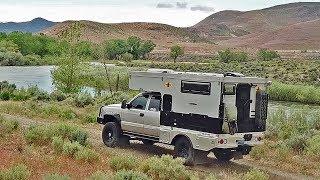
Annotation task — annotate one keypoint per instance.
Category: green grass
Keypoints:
(294, 93)
(18, 172)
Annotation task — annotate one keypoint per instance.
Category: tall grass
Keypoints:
(294, 93)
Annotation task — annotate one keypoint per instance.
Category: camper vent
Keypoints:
(233, 74)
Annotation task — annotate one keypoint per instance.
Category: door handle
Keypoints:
(141, 114)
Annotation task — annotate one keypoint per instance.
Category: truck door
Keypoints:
(133, 118)
(243, 106)
(152, 116)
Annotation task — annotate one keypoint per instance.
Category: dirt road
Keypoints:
(136, 148)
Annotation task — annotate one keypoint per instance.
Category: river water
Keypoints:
(41, 76)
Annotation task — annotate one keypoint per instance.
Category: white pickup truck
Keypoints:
(198, 113)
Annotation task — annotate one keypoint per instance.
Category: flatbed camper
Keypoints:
(196, 112)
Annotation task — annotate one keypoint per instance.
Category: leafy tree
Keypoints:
(228, 56)
(114, 48)
(134, 44)
(176, 51)
(145, 48)
(84, 48)
(267, 55)
(67, 76)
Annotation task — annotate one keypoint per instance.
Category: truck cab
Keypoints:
(198, 113)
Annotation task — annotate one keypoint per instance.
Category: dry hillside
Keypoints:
(163, 35)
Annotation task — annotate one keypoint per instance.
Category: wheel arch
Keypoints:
(112, 118)
(178, 136)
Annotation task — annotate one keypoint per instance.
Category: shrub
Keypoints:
(42, 96)
(19, 172)
(255, 174)
(165, 167)
(228, 56)
(5, 95)
(57, 144)
(122, 163)
(99, 175)
(37, 135)
(8, 126)
(58, 96)
(5, 85)
(211, 177)
(126, 57)
(87, 155)
(130, 175)
(313, 146)
(267, 55)
(90, 118)
(20, 95)
(83, 99)
(71, 148)
(56, 176)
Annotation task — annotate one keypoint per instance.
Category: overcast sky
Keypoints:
(177, 13)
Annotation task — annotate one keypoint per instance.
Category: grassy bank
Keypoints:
(292, 141)
(294, 93)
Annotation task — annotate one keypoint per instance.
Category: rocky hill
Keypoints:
(33, 26)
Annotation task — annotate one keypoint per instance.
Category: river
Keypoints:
(41, 76)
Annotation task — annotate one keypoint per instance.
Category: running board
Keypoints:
(140, 136)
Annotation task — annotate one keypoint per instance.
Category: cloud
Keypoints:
(165, 5)
(202, 8)
(182, 5)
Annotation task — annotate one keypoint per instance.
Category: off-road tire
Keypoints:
(183, 149)
(147, 142)
(223, 155)
(111, 134)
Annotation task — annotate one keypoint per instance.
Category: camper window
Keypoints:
(229, 89)
(202, 88)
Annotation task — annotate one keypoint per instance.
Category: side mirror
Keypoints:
(124, 104)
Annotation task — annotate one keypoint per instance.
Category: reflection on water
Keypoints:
(28, 76)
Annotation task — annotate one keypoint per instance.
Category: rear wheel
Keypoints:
(183, 148)
(111, 134)
(223, 154)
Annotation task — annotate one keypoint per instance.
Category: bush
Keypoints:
(8, 126)
(255, 174)
(43, 134)
(57, 144)
(126, 57)
(58, 96)
(313, 146)
(267, 55)
(71, 148)
(130, 175)
(20, 95)
(87, 155)
(56, 176)
(5, 85)
(123, 163)
(165, 167)
(83, 99)
(99, 175)
(5, 95)
(19, 172)
(228, 56)
(42, 96)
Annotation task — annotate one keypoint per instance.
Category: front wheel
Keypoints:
(223, 154)
(183, 148)
(111, 134)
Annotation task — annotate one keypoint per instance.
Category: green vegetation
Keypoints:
(228, 56)
(7, 126)
(267, 55)
(175, 52)
(294, 93)
(255, 174)
(18, 172)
